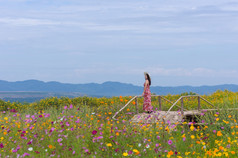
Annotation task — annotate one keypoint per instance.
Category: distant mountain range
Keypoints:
(107, 89)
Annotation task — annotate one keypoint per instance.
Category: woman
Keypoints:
(147, 94)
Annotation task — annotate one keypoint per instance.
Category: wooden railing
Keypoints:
(136, 103)
(181, 99)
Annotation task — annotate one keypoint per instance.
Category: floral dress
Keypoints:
(147, 100)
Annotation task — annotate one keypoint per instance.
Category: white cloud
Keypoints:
(159, 71)
(27, 21)
(196, 72)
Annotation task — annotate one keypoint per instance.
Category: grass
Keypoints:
(81, 130)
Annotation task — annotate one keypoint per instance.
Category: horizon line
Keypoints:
(116, 82)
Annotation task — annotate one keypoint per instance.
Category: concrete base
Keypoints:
(160, 116)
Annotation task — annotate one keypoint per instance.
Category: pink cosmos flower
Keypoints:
(59, 140)
(47, 115)
(100, 137)
(130, 152)
(27, 116)
(25, 154)
(170, 142)
(94, 132)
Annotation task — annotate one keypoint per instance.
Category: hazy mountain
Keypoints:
(92, 89)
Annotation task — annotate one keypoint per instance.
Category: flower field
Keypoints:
(83, 127)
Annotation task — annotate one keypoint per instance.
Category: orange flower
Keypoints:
(170, 153)
(50, 146)
(219, 133)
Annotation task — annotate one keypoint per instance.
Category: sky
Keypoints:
(178, 42)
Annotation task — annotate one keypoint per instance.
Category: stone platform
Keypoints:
(162, 116)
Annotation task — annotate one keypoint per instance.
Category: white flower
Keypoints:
(204, 147)
(61, 119)
(46, 150)
(30, 149)
(93, 113)
(139, 144)
(147, 146)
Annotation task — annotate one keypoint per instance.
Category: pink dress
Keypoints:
(147, 100)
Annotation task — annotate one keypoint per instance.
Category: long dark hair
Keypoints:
(149, 79)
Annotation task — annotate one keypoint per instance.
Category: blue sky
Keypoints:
(179, 42)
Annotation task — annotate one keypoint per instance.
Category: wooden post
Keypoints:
(182, 106)
(160, 103)
(137, 109)
(199, 103)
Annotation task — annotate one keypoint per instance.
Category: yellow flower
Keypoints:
(5, 118)
(192, 136)
(219, 154)
(125, 154)
(217, 119)
(109, 144)
(192, 128)
(135, 150)
(187, 153)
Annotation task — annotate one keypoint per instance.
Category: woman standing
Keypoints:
(147, 94)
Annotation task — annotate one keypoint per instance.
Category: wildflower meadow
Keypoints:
(83, 127)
